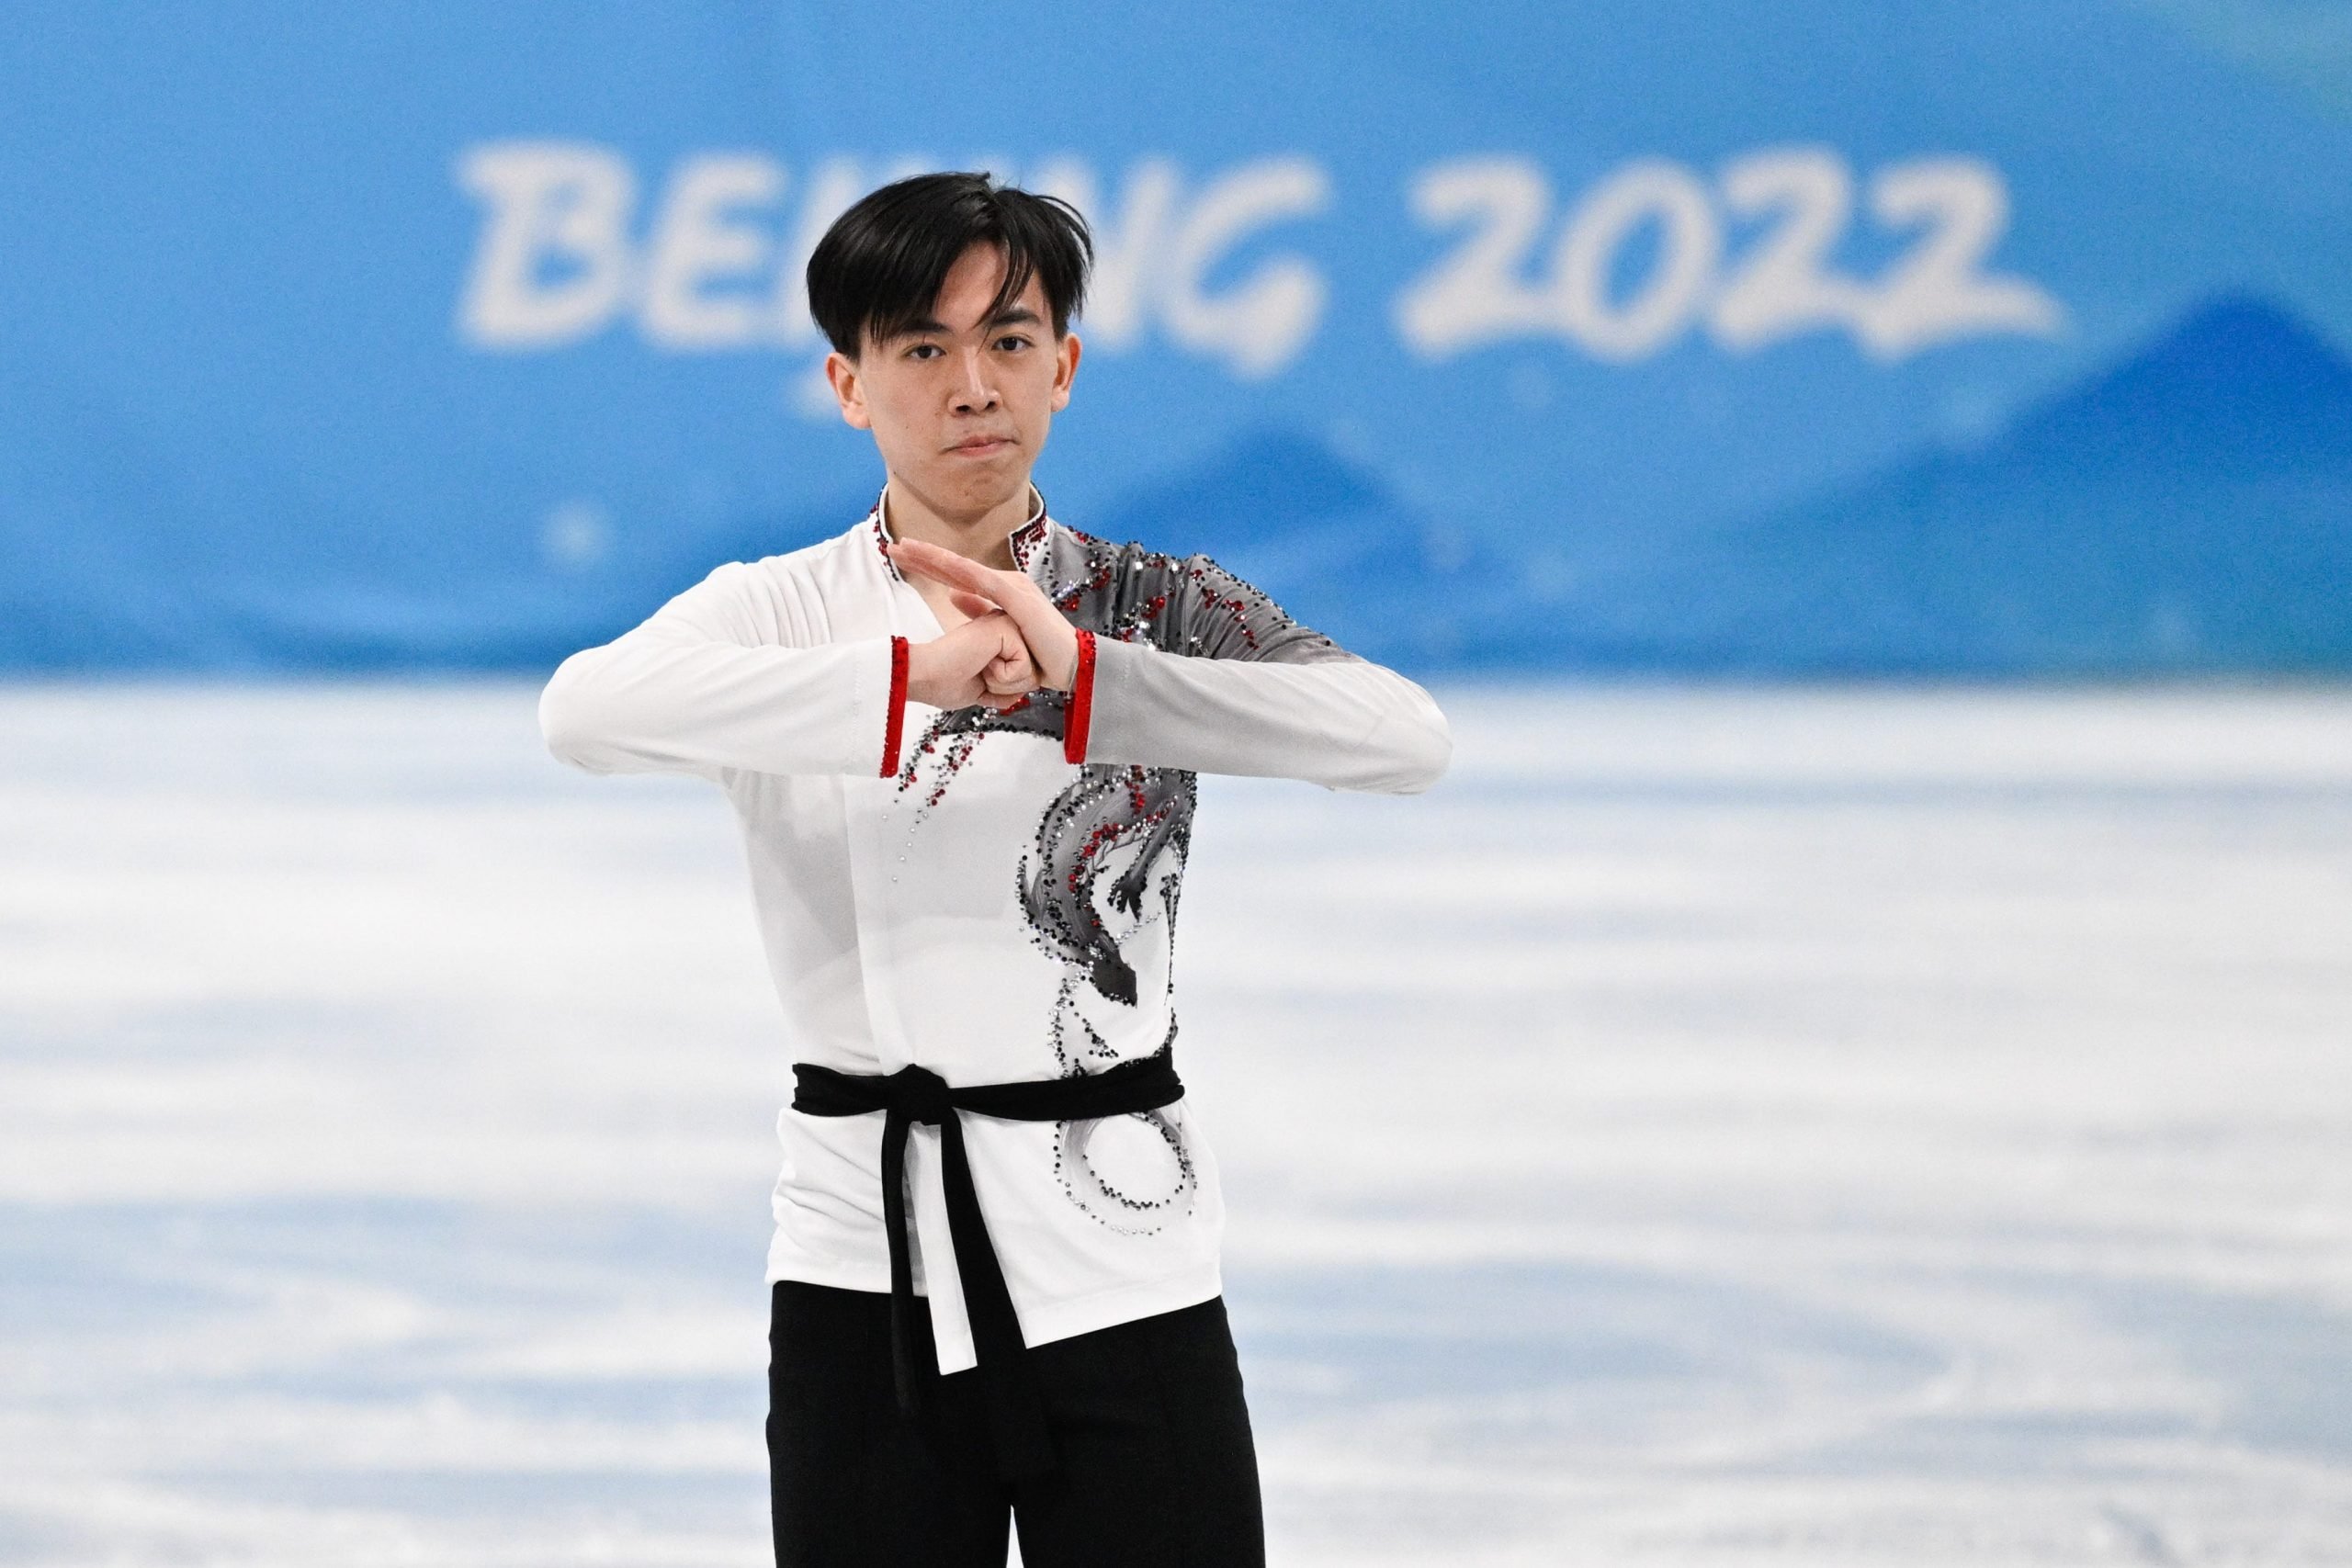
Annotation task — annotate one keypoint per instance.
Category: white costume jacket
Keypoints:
(987, 894)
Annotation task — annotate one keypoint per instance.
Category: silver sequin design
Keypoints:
(1099, 882)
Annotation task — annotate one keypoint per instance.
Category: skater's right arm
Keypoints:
(730, 674)
(734, 674)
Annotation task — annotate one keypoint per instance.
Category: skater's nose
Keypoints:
(976, 387)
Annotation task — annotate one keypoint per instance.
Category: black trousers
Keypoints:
(1157, 1469)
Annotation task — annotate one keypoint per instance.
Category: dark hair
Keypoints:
(881, 264)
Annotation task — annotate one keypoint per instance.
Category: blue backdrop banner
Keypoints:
(1809, 337)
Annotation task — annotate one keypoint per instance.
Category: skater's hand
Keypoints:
(982, 660)
(978, 590)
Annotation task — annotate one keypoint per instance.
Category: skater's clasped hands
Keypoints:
(1015, 642)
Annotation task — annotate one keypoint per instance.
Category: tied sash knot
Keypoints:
(911, 1095)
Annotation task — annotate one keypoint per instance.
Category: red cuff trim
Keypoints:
(896, 723)
(1082, 701)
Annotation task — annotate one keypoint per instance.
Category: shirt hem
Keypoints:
(841, 1276)
(1040, 1324)
(1121, 1303)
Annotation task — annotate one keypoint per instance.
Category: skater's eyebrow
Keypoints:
(1010, 316)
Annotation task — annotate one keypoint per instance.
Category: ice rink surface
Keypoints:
(1713, 1127)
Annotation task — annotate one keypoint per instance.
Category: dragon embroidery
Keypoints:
(1099, 884)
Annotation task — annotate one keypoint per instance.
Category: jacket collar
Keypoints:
(1027, 542)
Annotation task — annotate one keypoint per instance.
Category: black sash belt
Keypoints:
(1016, 1419)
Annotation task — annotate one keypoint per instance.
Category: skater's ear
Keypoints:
(849, 389)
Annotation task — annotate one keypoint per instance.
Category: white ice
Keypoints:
(1713, 1127)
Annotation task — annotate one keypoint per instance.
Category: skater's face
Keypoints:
(959, 402)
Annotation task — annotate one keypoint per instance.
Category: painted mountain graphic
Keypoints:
(2189, 511)
(1328, 539)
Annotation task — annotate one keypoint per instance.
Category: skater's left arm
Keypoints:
(1265, 696)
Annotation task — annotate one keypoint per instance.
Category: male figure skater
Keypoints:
(961, 738)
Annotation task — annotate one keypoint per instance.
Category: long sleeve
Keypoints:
(727, 676)
(1200, 671)
(1345, 724)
